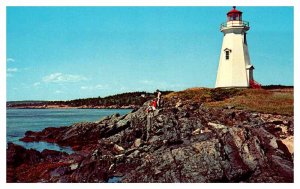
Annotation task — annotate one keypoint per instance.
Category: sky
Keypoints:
(64, 53)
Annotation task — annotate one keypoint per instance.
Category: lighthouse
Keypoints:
(235, 69)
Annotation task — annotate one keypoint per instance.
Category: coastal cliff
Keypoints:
(198, 135)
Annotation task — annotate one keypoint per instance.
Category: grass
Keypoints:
(260, 100)
(203, 94)
(275, 101)
(188, 94)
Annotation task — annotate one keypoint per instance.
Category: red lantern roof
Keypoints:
(234, 11)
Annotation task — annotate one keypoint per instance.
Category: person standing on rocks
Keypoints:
(150, 110)
(158, 98)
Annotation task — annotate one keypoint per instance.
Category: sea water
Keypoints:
(21, 120)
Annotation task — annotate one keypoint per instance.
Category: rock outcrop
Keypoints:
(177, 143)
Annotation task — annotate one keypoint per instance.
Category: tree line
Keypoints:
(124, 99)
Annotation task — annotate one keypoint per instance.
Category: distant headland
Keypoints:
(129, 100)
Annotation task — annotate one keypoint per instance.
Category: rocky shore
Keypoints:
(180, 142)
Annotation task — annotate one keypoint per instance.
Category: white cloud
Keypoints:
(155, 84)
(10, 60)
(94, 87)
(9, 75)
(123, 89)
(100, 87)
(147, 82)
(36, 84)
(58, 92)
(12, 69)
(63, 78)
(162, 85)
(84, 87)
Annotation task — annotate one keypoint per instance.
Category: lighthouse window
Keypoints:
(227, 55)
(233, 17)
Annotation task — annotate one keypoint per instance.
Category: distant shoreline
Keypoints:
(74, 107)
(129, 100)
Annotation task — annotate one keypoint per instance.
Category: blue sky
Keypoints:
(62, 53)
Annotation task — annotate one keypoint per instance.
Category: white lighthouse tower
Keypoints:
(235, 69)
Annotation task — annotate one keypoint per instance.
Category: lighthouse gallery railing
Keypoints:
(235, 24)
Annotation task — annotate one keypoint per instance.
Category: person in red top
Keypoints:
(152, 106)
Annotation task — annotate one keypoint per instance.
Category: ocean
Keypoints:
(21, 120)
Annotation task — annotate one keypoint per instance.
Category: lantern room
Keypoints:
(234, 21)
(234, 15)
